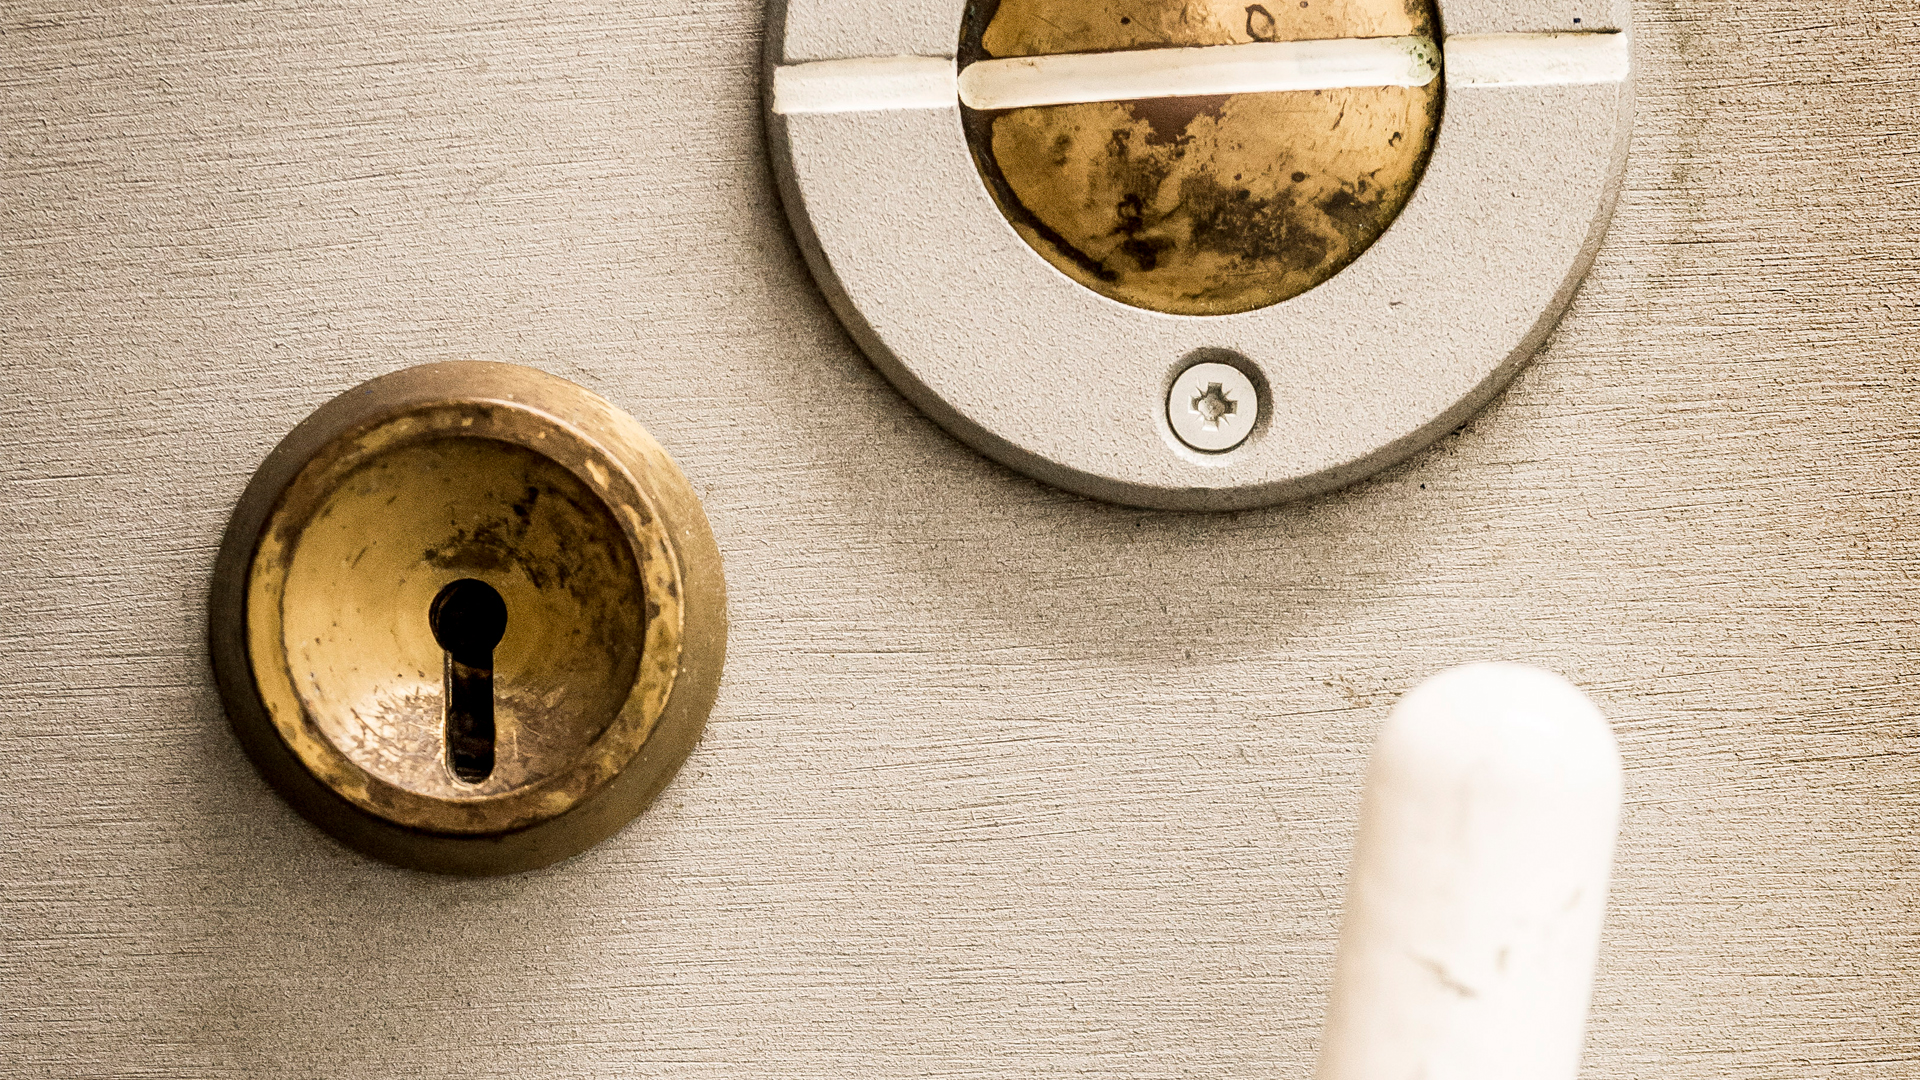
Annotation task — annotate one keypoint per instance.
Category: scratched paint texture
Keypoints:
(1001, 782)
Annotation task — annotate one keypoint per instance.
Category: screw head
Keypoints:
(1212, 407)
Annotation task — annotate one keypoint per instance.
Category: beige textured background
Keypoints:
(1001, 782)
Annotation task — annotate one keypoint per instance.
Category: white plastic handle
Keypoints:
(1478, 883)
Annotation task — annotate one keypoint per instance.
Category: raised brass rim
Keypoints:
(684, 626)
(604, 475)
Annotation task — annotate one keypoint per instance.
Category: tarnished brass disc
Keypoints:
(1200, 205)
(470, 476)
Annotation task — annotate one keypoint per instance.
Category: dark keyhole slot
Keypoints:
(468, 618)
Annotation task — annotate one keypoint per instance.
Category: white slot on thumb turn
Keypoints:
(1478, 883)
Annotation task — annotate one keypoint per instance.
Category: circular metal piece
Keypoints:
(1213, 407)
(468, 617)
(931, 271)
(1206, 204)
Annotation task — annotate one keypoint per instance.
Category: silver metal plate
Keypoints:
(1055, 380)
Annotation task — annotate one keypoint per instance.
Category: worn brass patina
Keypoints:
(541, 492)
(1201, 205)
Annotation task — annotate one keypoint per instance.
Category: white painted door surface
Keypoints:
(1001, 782)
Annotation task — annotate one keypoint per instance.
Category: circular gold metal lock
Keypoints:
(469, 618)
(1200, 204)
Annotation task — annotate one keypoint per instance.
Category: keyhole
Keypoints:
(468, 618)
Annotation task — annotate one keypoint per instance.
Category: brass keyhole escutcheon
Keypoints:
(468, 618)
